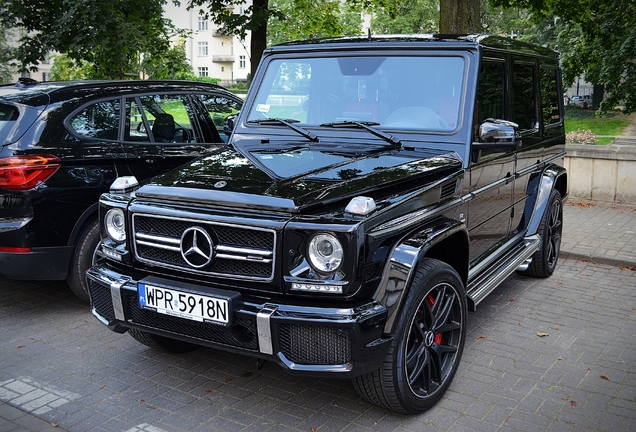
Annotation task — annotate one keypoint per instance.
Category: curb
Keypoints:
(598, 259)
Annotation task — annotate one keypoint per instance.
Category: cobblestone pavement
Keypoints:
(541, 354)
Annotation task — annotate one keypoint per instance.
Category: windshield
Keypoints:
(394, 92)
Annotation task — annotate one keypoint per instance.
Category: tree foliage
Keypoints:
(308, 19)
(171, 64)
(410, 17)
(5, 57)
(597, 39)
(110, 34)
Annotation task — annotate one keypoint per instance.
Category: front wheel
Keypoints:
(427, 346)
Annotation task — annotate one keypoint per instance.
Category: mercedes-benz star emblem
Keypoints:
(197, 248)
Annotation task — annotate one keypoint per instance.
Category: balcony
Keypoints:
(228, 58)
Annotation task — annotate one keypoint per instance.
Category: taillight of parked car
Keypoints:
(20, 173)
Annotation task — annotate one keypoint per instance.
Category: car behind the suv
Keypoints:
(374, 190)
(584, 101)
(63, 143)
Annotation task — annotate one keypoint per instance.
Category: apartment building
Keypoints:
(211, 52)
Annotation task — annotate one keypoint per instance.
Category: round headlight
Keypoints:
(115, 224)
(325, 253)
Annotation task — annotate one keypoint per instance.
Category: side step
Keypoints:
(487, 280)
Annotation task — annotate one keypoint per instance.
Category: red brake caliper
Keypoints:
(438, 337)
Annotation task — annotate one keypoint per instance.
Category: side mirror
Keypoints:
(497, 134)
(228, 124)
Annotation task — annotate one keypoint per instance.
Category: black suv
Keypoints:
(374, 190)
(62, 144)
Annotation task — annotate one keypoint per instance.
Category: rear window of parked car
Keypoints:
(8, 117)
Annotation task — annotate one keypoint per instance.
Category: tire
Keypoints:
(544, 260)
(162, 343)
(85, 254)
(427, 345)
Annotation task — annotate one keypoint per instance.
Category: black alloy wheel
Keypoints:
(427, 346)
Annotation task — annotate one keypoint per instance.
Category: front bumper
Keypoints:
(305, 340)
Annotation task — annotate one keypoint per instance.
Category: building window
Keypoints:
(203, 24)
(242, 62)
(222, 69)
(45, 76)
(203, 48)
(203, 71)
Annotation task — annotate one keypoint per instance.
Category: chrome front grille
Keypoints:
(219, 250)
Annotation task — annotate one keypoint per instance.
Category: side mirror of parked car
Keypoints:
(228, 125)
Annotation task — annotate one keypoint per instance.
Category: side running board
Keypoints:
(488, 279)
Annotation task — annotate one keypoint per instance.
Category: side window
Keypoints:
(161, 118)
(135, 128)
(550, 112)
(100, 120)
(219, 108)
(490, 93)
(524, 101)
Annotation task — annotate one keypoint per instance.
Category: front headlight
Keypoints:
(325, 253)
(115, 223)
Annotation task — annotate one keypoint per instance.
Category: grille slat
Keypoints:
(243, 252)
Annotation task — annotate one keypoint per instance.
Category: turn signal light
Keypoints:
(21, 173)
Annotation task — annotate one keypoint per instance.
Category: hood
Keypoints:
(296, 178)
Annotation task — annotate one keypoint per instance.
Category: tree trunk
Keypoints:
(459, 17)
(597, 95)
(259, 39)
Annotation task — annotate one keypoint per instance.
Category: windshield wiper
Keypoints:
(395, 143)
(287, 122)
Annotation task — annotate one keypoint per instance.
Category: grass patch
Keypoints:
(611, 124)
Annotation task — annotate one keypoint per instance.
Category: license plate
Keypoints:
(181, 304)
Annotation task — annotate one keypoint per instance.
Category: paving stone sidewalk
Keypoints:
(600, 232)
(554, 354)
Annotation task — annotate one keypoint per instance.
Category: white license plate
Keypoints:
(183, 304)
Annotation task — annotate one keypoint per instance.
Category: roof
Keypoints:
(35, 93)
(437, 41)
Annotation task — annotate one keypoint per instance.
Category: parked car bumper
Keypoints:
(49, 263)
(313, 341)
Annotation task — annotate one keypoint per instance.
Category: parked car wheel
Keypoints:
(85, 255)
(161, 342)
(428, 344)
(544, 260)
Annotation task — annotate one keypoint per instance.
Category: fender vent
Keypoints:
(448, 190)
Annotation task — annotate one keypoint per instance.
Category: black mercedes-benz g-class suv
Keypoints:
(374, 190)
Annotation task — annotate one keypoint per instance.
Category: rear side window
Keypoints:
(523, 112)
(549, 97)
(100, 120)
(8, 118)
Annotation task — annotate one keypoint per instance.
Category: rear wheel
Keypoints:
(86, 253)
(161, 342)
(427, 346)
(544, 260)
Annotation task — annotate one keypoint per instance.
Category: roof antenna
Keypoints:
(369, 33)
